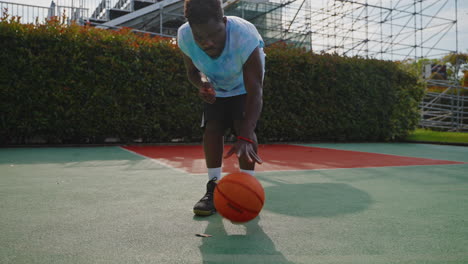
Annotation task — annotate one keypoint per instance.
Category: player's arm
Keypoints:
(197, 79)
(253, 81)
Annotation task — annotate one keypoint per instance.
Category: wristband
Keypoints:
(246, 139)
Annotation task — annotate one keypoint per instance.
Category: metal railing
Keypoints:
(95, 8)
(447, 110)
(101, 7)
(27, 13)
(74, 10)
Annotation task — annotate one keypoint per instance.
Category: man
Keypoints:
(224, 59)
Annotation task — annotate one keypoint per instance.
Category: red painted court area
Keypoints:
(281, 158)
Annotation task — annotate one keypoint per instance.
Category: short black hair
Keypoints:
(202, 11)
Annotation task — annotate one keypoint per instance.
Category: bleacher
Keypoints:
(161, 17)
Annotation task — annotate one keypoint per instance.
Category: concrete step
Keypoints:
(96, 21)
(115, 13)
(139, 4)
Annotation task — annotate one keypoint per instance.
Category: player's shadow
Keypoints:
(252, 247)
(314, 199)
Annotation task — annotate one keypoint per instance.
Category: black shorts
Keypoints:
(226, 109)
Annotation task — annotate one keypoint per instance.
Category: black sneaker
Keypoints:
(205, 206)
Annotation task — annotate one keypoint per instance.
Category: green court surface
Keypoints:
(110, 205)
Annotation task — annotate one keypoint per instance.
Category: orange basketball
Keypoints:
(239, 197)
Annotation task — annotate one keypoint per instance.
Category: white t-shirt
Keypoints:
(225, 72)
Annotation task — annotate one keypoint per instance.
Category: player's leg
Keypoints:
(213, 146)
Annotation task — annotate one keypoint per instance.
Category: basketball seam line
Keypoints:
(236, 204)
(248, 188)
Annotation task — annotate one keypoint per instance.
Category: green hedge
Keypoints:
(73, 84)
(328, 97)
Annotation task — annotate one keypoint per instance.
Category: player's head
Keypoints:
(208, 24)
(202, 11)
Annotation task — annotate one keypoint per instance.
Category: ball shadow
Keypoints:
(253, 247)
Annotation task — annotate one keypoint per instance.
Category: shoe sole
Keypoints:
(203, 213)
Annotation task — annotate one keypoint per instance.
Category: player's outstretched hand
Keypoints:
(207, 93)
(242, 148)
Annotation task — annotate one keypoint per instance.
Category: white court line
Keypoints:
(157, 161)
